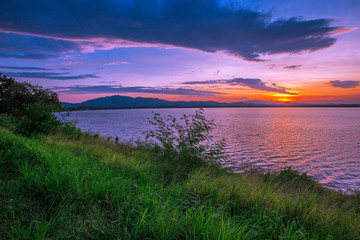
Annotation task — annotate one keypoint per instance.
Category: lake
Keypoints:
(323, 142)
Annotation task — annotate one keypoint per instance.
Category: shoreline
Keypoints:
(81, 185)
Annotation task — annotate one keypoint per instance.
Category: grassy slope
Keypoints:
(80, 187)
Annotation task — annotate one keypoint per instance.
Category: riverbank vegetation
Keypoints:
(69, 184)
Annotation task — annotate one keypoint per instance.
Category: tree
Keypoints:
(16, 97)
(32, 105)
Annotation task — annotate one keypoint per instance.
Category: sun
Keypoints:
(284, 100)
(282, 97)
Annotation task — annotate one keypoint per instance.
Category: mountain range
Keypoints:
(118, 101)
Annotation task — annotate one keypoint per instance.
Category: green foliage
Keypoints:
(38, 119)
(289, 174)
(32, 105)
(188, 141)
(8, 122)
(53, 187)
(16, 97)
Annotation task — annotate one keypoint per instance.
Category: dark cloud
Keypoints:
(26, 68)
(293, 67)
(32, 47)
(249, 82)
(48, 75)
(107, 82)
(138, 89)
(207, 25)
(345, 84)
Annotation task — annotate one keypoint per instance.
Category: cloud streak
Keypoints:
(253, 83)
(49, 75)
(293, 67)
(31, 47)
(206, 25)
(80, 89)
(25, 68)
(344, 84)
(114, 63)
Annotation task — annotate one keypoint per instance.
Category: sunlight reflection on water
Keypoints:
(324, 142)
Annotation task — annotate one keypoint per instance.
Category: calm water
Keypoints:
(324, 142)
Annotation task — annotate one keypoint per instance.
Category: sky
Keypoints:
(222, 50)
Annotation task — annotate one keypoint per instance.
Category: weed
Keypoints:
(187, 141)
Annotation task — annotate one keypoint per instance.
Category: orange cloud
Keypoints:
(344, 30)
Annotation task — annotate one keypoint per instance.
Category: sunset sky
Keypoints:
(229, 51)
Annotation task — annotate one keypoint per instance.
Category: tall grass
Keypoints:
(74, 185)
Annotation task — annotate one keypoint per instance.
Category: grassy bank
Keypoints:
(78, 186)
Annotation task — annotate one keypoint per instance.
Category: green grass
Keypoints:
(73, 185)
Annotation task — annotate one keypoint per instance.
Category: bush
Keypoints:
(16, 97)
(32, 106)
(37, 119)
(188, 142)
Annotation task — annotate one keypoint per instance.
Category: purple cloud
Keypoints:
(137, 89)
(206, 25)
(49, 75)
(248, 82)
(25, 68)
(293, 67)
(31, 47)
(344, 84)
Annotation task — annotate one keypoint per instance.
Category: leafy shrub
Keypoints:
(187, 141)
(8, 122)
(32, 106)
(38, 119)
(292, 178)
(16, 97)
(289, 174)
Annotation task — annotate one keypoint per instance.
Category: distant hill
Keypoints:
(118, 101)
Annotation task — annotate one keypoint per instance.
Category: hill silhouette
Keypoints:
(118, 101)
